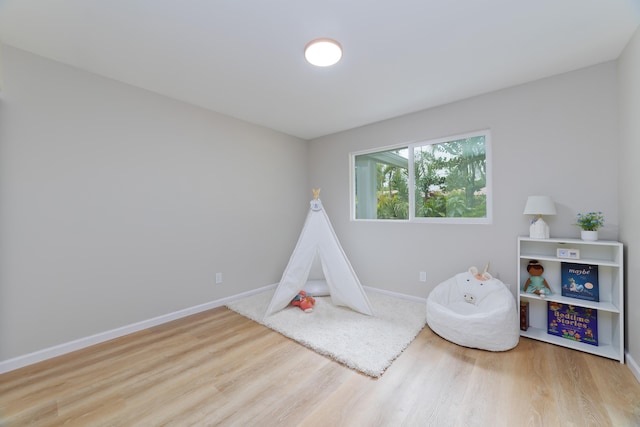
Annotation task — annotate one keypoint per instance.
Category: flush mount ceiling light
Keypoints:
(323, 52)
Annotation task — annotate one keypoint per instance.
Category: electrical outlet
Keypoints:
(423, 276)
(218, 278)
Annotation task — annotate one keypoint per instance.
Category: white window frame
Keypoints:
(488, 219)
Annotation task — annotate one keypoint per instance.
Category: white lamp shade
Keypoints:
(540, 205)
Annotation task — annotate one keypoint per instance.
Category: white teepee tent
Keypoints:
(319, 240)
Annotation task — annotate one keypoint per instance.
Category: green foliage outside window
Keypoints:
(449, 180)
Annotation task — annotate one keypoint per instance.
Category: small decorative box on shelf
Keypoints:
(568, 253)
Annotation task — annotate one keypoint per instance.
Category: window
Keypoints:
(443, 180)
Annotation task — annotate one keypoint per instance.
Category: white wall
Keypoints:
(629, 89)
(556, 136)
(119, 205)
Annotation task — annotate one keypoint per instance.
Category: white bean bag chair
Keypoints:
(474, 313)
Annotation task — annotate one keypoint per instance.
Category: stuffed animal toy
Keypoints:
(304, 301)
(536, 284)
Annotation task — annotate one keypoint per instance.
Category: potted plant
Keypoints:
(590, 223)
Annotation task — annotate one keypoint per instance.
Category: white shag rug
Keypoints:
(364, 343)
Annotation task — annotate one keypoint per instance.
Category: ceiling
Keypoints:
(245, 58)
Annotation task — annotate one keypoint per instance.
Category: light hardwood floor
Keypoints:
(219, 368)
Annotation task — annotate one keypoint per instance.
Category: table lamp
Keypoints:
(539, 205)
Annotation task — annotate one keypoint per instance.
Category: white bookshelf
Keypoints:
(608, 256)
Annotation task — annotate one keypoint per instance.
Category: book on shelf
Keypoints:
(580, 281)
(573, 322)
(524, 315)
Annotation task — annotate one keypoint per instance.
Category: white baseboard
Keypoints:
(396, 294)
(58, 350)
(633, 366)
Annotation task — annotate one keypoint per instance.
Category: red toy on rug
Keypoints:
(304, 301)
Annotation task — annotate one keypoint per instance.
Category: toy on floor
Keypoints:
(304, 301)
(536, 284)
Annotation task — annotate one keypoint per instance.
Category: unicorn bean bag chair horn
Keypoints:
(474, 310)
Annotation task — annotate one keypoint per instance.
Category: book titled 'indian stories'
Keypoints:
(572, 322)
(580, 281)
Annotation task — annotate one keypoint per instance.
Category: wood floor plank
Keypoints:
(219, 368)
(620, 397)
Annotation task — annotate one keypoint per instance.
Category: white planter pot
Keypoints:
(590, 236)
